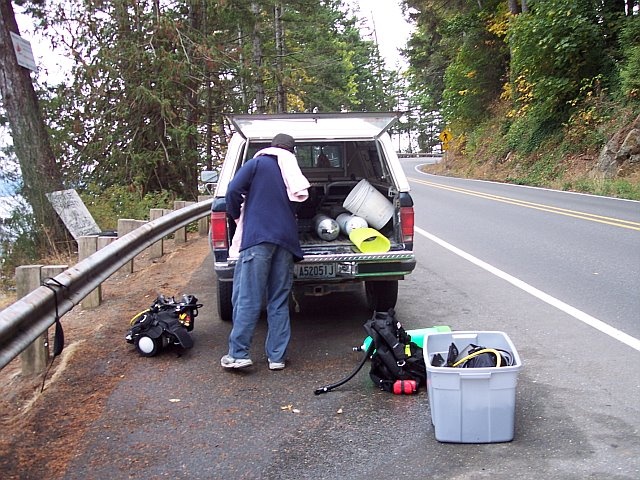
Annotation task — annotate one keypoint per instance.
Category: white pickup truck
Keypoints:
(335, 151)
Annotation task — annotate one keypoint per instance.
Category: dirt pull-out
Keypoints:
(92, 363)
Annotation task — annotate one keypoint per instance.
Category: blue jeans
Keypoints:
(263, 271)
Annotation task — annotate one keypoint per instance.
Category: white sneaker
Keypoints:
(276, 365)
(229, 362)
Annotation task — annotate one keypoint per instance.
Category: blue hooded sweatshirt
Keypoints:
(269, 215)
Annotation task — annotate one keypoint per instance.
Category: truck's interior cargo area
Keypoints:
(334, 169)
(328, 200)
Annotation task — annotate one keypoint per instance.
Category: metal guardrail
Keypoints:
(419, 155)
(24, 321)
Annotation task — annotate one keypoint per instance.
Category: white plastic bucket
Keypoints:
(367, 202)
(348, 222)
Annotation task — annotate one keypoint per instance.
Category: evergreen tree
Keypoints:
(40, 172)
(152, 81)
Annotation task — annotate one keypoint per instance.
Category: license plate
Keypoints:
(322, 270)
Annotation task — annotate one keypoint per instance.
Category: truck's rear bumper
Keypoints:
(343, 267)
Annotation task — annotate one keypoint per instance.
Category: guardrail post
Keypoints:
(128, 225)
(180, 235)
(104, 241)
(157, 249)
(203, 223)
(50, 271)
(34, 358)
(87, 246)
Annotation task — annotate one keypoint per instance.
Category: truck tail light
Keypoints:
(406, 220)
(219, 230)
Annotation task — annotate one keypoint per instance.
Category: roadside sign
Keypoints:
(73, 212)
(23, 51)
(445, 137)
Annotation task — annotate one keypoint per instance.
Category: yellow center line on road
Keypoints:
(616, 222)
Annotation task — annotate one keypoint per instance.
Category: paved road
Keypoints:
(583, 250)
(577, 408)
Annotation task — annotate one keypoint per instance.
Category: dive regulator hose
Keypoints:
(328, 388)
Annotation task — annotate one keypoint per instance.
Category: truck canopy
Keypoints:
(315, 126)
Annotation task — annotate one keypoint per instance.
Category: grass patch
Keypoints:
(619, 188)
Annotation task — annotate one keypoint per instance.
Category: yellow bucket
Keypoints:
(369, 240)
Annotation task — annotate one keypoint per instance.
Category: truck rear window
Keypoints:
(320, 156)
(312, 155)
(317, 159)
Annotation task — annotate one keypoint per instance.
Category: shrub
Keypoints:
(107, 206)
(630, 72)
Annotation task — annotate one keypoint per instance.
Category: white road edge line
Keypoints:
(554, 302)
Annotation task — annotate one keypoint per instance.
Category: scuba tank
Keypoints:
(348, 222)
(326, 227)
(417, 336)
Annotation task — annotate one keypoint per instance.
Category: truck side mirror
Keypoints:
(209, 178)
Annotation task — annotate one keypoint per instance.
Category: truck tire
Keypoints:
(225, 309)
(381, 295)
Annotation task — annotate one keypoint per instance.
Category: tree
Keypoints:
(152, 81)
(39, 169)
(556, 52)
(257, 57)
(456, 63)
(280, 52)
(474, 78)
(630, 69)
(132, 115)
(544, 58)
